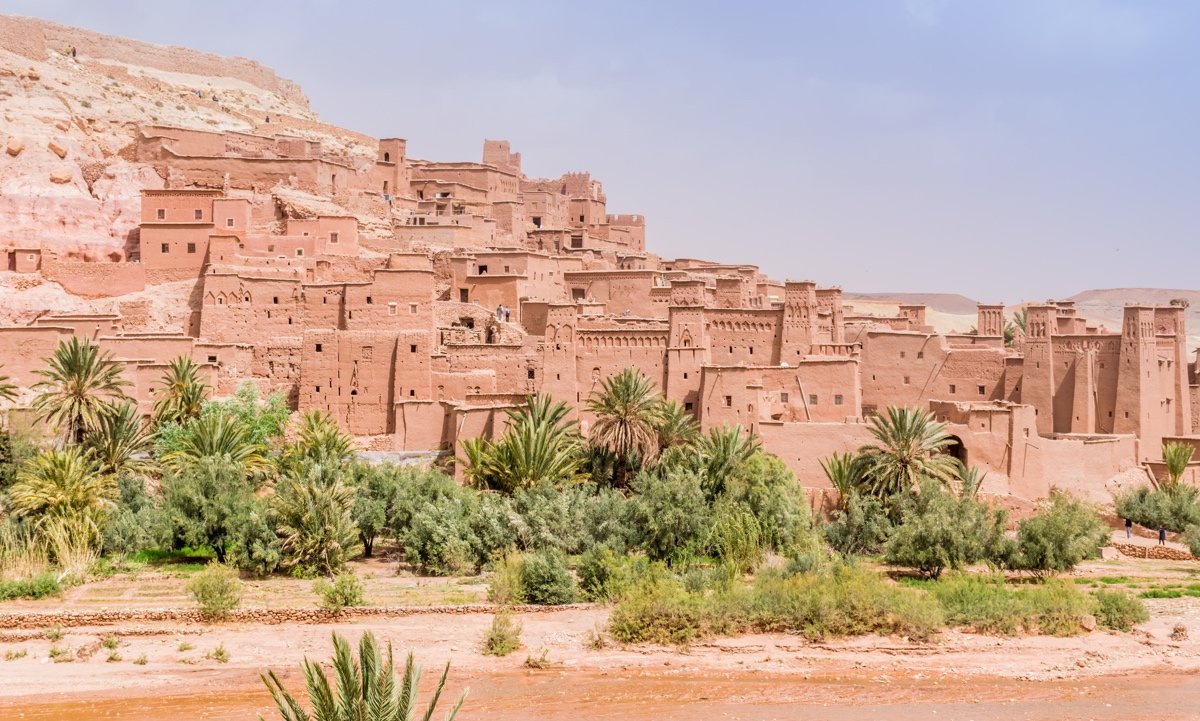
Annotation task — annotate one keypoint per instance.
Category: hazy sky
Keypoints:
(1006, 150)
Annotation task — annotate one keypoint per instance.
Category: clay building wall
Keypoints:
(743, 336)
(907, 368)
(94, 279)
(622, 291)
(600, 353)
(244, 308)
(24, 350)
(814, 391)
(514, 370)
(85, 325)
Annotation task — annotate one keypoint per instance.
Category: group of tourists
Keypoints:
(503, 313)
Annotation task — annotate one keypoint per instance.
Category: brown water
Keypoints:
(577, 695)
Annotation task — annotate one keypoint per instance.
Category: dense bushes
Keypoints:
(1174, 509)
(939, 530)
(1055, 539)
(541, 577)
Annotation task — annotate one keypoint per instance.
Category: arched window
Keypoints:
(387, 158)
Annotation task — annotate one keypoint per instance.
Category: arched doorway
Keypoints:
(957, 450)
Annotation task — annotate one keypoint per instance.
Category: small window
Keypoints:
(687, 406)
(483, 270)
(529, 374)
(920, 354)
(412, 392)
(412, 308)
(391, 309)
(370, 301)
(982, 390)
(412, 348)
(729, 401)
(275, 300)
(191, 247)
(685, 375)
(751, 350)
(318, 389)
(212, 359)
(318, 347)
(333, 237)
(812, 399)
(462, 295)
(166, 247)
(581, 219)
(783, 397)
(953, 388)
(270, 249)
(161, 214)
(229, 222)
(299, 252)
(902, 353)
(906, 380)
(199, 214)
(838, 400)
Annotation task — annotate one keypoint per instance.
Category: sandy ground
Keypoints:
(1102, 675)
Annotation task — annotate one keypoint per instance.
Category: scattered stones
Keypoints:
(61, 175)
(63, 125)
(57, 148)
(15, 146)
(1160, 553)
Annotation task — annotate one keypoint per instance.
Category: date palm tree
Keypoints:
(628, 411)
(119, 442)
(845, 472)
(63, 486)
(909, 446)
(722, 453)
(180, 392)
(1177, 456)
(364, 689)
(676, 426)
(315, 522)
(79, 381)
(320, 440)
(541, 444)
(8, 391)
(216, 436)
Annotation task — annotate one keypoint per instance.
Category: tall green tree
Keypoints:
(364, 689)
(1177, 456)
(77, 383)
(909, 446)
(208, 502)
(315, 522)
(320, 440)
(628, 412)
(677, 427)
(181, 393)
(723, 452)
(540, 444)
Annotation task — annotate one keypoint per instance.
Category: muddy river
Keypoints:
(576, 694)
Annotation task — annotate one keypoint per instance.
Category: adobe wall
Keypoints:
(802, 446)
(815, 391)
(95, 280)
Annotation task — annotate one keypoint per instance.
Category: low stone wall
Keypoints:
(263, 616)
(1161, 553)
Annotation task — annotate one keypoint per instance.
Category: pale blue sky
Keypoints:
(1006, 150)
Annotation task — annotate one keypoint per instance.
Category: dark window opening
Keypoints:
(212, 359)
(728, 401)
(191, 247)
(687, 406)
(199, 215)
(412, 348)
(275, 300)
(318, 347)
(387, 157)
(783, 397)
(982, 390)
(369, 301)
(462, 295)
(161, 214)
(537, 221)
(166, 247)
(838, 400)
(412, 392)
(953, 388)
(482, 270)
(812, 399)
(529, 374)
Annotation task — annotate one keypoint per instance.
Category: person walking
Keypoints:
(1162, 536)
(499, 313)
(507, 314)
(1128, 528)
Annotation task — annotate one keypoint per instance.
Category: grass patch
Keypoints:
(14, 655)
(1119, 611)
(989, 605)
(113, 657)
(503, 637)
(39, 586)
(218, 654)
(184, 646)
(846, 600)
(110, 642)
(141, 660)
(55, 634)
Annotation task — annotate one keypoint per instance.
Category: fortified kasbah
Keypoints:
(163, 202)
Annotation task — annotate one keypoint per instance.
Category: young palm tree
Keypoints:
(62, 486)
(676, 426)
(8, 391)
(910, 445)
(119, 442)
(365, 689)
(628, 413)
(1177, 456)
(78, 382)
(723, 452)
(845, 472)
(540, 444)
(180, 393)
(217, 436)
(321, 440)
(316, 522)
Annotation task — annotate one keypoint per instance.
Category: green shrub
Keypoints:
(346, 591)
(545, 579)
(1192, 537)
(670, 515)
(660, 611)
(768, 488)
(314, 518)
(45, 584)
(439, 539)
(735, 537)
(493, 526)
(1173, 509)
(939, 530)
(605, 576)
(504, 582)
(216, 590)
(861, 527)
(503, 636)
(989, 605)
(1119, 611)
(1060, 535)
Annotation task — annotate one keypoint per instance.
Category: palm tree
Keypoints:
(676, 426)
(321, 440)
(910, 445)
(628, 413)
(119, 441)
(181, 393)
(365, 689)
(541, 444)
(723, 452)
(845, 472)
(78, 382)
(216, 436)
(1177, 456)
(316, 522)
(8, 391)
(63, 486)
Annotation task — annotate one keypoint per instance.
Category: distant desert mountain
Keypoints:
(942, 302)
(1106, 305)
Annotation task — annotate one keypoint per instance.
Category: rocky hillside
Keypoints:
(64, 182)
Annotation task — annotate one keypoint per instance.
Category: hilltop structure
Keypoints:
(416, 301)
